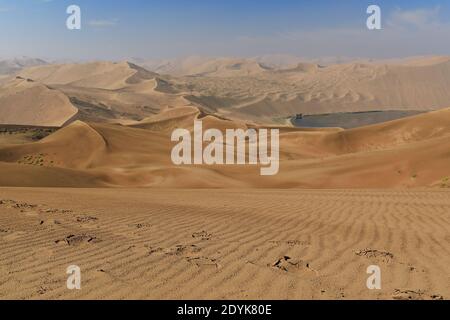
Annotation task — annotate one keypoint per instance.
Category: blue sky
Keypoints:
(157, 29)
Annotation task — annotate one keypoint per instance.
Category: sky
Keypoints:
(167, 29)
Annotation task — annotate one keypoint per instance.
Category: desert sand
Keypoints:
(242, 89)
(86, 178)
(219, 244)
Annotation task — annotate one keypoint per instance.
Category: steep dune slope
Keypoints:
(100, 92)
(421, 164)
(101, 75)
(74, 146)
(390, 134)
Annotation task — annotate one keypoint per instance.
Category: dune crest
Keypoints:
(100, 75)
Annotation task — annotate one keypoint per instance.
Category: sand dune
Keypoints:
(245, 89)
(225, 66)
(90, 98)
(11, 66)
(100, 91)
(100, 75)
(186, 229)
(410, 152)
(179, 244)
(313, 89)
(25, 102)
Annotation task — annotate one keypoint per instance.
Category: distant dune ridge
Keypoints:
(11, 66)
(117, 119)
(247, 89)
(262, 90)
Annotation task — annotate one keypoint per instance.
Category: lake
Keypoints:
(348, 120)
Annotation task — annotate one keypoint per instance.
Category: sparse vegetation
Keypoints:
(445, 182)
(40, 160)
(23, 134)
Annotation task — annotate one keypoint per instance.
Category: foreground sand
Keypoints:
(224, 244)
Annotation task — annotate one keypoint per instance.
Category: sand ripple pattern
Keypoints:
(214, 244)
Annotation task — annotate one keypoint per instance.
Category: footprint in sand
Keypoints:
(412, 268)
(291, 243)
(287, 264)
(384, 256)
(55, 211)
(22, 206)
(202, 235)
(188, 251)
(87, 222)
(86, 219)
(42, 290)
(50, 222)
(140, 225)
(408, 294)
(31, 209)
(75, 240)
(203, 262)
(139, 249)
(181, 250)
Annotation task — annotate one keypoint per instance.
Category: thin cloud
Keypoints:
(419, 18)
(405, 33)
(103, 23)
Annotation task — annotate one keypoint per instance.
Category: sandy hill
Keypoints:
(226, 67)
(411, 152)
(100, 75)
(190, 65)
(312, 89)
(11, 66)
(206, 66)
(26, 102)
(246, 89)
(124, 116)
(100, 91)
